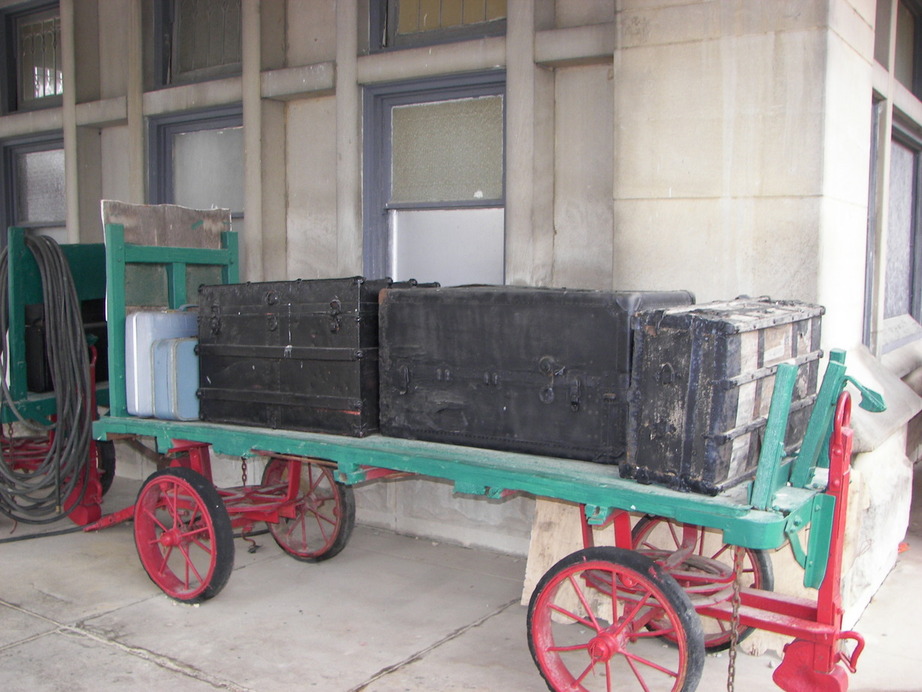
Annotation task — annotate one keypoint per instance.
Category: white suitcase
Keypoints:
(175, 378)
(142, 329)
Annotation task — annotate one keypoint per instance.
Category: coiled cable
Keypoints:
(36, 493)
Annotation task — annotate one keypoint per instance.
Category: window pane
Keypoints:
(882, 34)
(898, 289)
(208, 169)
(905, 46)
(207, 34)
(448, 151)
(40, 187)
(39, 38)
(431, 15)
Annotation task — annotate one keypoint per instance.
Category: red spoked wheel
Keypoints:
(324, 512)
(183, 535)
(589, 625)
(710, 564)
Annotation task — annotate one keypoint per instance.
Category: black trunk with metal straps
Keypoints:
(296, 355)
(534, 370)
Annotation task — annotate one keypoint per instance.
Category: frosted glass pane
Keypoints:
(208, 169)
(40, 186)
(448, 151)
(898, 289)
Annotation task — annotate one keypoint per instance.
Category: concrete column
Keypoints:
(348, 142)
(274, 185)
(69, 117)
(135, 106)
(252, 142)
(529, 153)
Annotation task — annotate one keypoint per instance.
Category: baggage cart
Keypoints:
(627, 615)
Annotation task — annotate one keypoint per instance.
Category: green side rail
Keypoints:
(492, 473)
(177, 263)
(87, 263)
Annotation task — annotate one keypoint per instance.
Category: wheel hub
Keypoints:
(605, 645)
(171, 538)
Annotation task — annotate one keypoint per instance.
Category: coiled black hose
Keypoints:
(36, 495)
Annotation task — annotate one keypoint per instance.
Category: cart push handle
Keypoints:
(778, 477)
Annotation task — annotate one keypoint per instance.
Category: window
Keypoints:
(197, 161)
(33, 174)
(893, 279)
(434, 171)
(33, 57)
(201, 40)
(407, 23)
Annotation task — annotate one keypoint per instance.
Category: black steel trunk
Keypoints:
(297, 355)
(702, 384)
(534, 370)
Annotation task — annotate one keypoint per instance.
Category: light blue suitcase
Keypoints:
(175, 368)
(141, 330)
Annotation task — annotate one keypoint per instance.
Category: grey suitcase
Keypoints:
(175, 378)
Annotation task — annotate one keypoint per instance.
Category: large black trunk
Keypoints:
(297, 355)
(541, 371)
(702, 384)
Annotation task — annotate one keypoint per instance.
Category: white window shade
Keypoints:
(208, 169)
(451, 246)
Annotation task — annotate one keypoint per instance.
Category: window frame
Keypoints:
(10, 183)
(377, 155)
(384, 36)
(165, 26)
(10, 19)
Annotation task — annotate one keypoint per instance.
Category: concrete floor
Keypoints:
(390, 613)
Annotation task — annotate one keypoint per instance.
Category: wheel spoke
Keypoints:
(586, 672)
(572, 647)
(573, 616)
(652, 664)
(582, 599)
(190, 565)
(165, 559)
(636, 672)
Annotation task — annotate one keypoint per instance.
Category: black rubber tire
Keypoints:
(106, 464)
(655, 595)
(210, 524)
(756, 562)
(334, 525)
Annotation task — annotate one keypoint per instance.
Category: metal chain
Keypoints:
(735, 619)
(243, 470)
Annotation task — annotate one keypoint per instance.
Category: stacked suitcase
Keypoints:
(702, 385)
(160, 378)
(534, 370)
